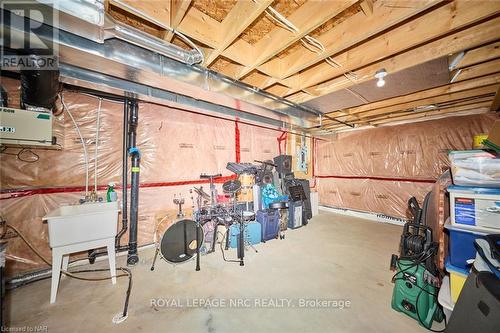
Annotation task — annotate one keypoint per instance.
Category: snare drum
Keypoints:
(248, 215)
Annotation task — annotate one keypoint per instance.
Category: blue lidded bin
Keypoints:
(461, 244)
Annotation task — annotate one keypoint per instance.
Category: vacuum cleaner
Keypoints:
(417, 279)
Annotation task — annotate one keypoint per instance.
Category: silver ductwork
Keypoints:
(92, 44)
(139, 38)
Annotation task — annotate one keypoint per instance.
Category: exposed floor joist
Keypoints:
(307, 18)
(480, 34)
(360, 36)
(426, 28)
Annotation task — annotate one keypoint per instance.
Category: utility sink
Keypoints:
(73, 224)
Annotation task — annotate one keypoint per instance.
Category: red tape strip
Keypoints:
(411, 180)
(19, 193)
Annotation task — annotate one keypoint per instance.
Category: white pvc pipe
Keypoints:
(97, 142)
(86, 157)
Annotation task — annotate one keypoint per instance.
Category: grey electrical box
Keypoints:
(25, 127)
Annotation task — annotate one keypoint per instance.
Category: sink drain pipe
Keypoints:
(126, 107)
(135, 155)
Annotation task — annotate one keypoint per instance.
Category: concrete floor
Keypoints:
(334, 257)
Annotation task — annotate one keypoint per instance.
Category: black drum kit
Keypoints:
(186, 239)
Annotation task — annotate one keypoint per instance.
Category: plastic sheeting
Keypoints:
(176, 146)
(402, 161)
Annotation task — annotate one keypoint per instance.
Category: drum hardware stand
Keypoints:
(213, 190)
(241, 244)
(198, 227)
(179, 202)
(154, 258)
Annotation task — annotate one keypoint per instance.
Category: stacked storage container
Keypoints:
(474, 213)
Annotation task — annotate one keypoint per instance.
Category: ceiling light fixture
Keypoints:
(380, 74)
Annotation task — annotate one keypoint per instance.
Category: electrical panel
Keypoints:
(25, 127)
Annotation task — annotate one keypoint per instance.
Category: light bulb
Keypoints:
(380, 74)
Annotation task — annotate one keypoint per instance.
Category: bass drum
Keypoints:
(178, 243)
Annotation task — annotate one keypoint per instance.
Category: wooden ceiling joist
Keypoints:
(367, 7)
(475, 36)
(418, 96)
(433, 25)
(481, 54)
(476, 108)
(470, 108)
(360, 36)
(178, 9)
(495, 105)
(423, 103)
(478, 70)
(307, 18)
(239, 18)
(352, 31)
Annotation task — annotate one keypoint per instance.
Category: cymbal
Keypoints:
(231, 186)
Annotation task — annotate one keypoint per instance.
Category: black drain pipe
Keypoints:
(133, 257)
(93, 254)
(126, 108)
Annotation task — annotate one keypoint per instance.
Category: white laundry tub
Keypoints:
(75, 224)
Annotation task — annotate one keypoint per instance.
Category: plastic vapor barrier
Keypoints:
(176, 147)
(379, 169)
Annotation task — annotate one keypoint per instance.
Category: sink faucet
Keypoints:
(92, 197)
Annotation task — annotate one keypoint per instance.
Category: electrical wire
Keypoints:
(222, 249)
(20, 153)
(281, 20)
(86, 157)
(27, 150)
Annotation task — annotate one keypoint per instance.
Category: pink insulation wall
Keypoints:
(176, 147)
(378, 170)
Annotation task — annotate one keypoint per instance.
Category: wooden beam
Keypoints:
(367, 7)
(307, 18)
(345, 34)
(475, 36)
(178, 9)
(481, 69)
(238, 19)
(149, 10)
(472, 108)
(200, 27)
(477, 108)
(436, 24)
(484, 53)
(495, 106)
(485, 101)
(438, 91)
(421, 103)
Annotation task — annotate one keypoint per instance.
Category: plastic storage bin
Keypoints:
(461, 244)
(475, 168)
(475, 206)
(457, 280)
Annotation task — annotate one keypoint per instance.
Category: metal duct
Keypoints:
(141, 39)
(95, 50)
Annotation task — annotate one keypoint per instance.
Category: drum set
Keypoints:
(187, 239)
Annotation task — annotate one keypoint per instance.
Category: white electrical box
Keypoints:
(25, 127)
